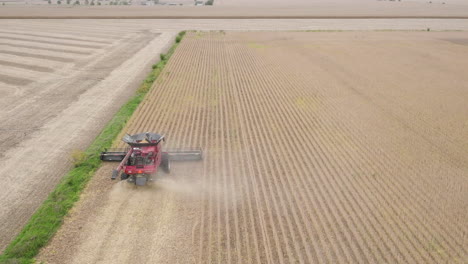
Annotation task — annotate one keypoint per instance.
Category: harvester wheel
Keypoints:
(165, 163)
(123, 176)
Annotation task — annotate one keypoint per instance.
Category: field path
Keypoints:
(331, 147)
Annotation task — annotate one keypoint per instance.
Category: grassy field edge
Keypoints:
(45, 222)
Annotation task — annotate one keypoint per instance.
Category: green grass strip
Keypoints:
(49, 217)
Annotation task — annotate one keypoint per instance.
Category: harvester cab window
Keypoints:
(131, 160)
(150, 157)
(139, 162)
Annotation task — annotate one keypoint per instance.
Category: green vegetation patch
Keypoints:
(49, 217)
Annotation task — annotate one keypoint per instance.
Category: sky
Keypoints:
(309, 2)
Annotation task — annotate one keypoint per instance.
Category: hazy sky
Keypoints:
(311, 2)
(440, 1)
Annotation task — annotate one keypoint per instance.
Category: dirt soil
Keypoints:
(63, 79)
(249, 9)
(90, 26)
(59, 88)
(332, 147)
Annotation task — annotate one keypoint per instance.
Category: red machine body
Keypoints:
(144, 156)
(142, 160)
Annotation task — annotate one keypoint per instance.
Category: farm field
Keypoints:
(63, 79)
(320, 147)
(162, 25)
(339, 3)
(59, 86)
(247, 9)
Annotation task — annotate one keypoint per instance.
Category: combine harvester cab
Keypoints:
(144, 156)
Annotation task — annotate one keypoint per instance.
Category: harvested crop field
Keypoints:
(138, 25)
(242, 9)
(331, 147)
(59, 85)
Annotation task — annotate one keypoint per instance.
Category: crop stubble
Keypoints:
(58, 86)
(320, 147)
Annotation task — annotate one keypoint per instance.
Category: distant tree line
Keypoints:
(112, 2)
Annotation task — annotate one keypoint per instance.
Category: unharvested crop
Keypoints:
(320, 147)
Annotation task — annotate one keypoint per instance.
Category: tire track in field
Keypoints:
(43, 65)
(35, 47)
(37, 56)
(27, 36)
(60, 96)
(93, 32)
(25, 66)
(12, 80)
(48, 36)
(28, 75)
(61, 43)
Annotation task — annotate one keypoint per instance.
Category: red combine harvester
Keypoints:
(143, 157)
